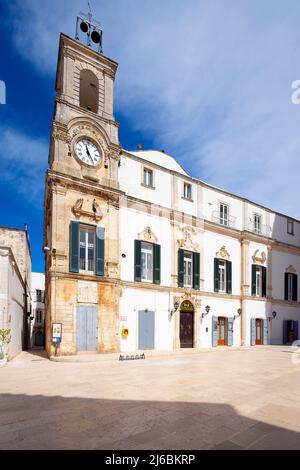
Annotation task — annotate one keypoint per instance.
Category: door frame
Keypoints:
(260, 343)
(96, 312)
(189, 308)
(147, 311)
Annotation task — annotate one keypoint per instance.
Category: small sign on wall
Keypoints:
(56, 332)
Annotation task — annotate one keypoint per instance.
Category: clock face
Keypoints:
(88, 152)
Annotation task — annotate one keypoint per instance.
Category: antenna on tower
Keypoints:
(90, 28)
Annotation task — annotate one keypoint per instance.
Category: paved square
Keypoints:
(217, 399)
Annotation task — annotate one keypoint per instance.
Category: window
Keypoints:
(89, 91)
(257, 223)
(188, 269)
(259, 281)
(222, 276)
(224, 214)
(39, 296)
(148, 177)
(39, 316)
(291, 287)
(290, 227)
(187, 191)
(147, 262)
(87, 250)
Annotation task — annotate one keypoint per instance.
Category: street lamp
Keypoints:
(174, 310)
(239, 311)
(207, 310)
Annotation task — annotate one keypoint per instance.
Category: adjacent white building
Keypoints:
(229, 266)
(37, 310)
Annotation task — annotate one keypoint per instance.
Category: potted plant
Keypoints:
(5, 339)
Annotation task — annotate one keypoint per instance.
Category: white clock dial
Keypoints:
(88, 152)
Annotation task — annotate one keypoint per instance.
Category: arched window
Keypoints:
(89, 91)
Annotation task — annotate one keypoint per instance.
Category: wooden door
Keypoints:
(222, 331)
(186, 329)
(258, 331)
(87, 328)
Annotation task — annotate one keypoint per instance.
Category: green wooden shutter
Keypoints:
(180, 268)
(228, 277)
(100, 237)
(196, 270)
(216, 275)
(253, 280)
(74, 247)
(286, 286)
(156, 264)
(295, 287)
(137, 260)
(264, 282)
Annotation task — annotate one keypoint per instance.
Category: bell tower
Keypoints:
(81, 214)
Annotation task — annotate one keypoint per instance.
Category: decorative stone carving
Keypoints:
(259, 259)
(147, 235)
(87, 292)
(291, 270)
(187, 242)
(95, 214)
(223, 253)
(113, 268)
(60, 132)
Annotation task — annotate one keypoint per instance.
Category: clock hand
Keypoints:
(88, 153)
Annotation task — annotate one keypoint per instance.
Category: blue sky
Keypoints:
(209, 82)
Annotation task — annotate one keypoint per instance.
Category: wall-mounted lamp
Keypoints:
(273, 316)
(239, 311)
(207, 310)
(174, 310)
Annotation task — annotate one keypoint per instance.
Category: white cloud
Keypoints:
(210, 81)
(23, 164)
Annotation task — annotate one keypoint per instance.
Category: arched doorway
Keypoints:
(186, 324)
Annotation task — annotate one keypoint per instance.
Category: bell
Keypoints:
(84, 27)
(95, 37)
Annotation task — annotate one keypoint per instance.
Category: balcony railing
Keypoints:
(264, 230)
(228, 221)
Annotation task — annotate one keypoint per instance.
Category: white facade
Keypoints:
(37, 309)
(214, 224)
(12, 306)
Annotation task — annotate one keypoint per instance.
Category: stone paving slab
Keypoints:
(221, 399)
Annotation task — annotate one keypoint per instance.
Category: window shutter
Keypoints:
(264, 282)
(295, 287)
(216, 275)
(296, 330)
(286, 286)
(100, 236)
(74, 247)
(253, 332)
(265, 332)
(284, 332)
(228, 277)
(137, 260)
(196, 269)
(215, 331)
(253, 283)
(230, 323)
(156, 264)
(180, 268)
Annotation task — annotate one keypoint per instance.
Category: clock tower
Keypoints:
(81, 213)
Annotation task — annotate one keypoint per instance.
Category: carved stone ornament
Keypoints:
(147, 235)
(187, 242)
(223, 253)
(95, 213)
(259, 259)
(291, 270)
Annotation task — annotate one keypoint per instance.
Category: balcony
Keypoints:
(227, 221)
(263, 230)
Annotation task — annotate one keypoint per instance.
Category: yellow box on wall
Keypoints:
(125, 332)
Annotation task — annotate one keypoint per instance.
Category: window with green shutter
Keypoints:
(216, 275)
(74, 247)
(100, 243)
(137, 260)
(156, 267)
(196, 270)
(228, 277)
(180, 268)
(264, 281)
